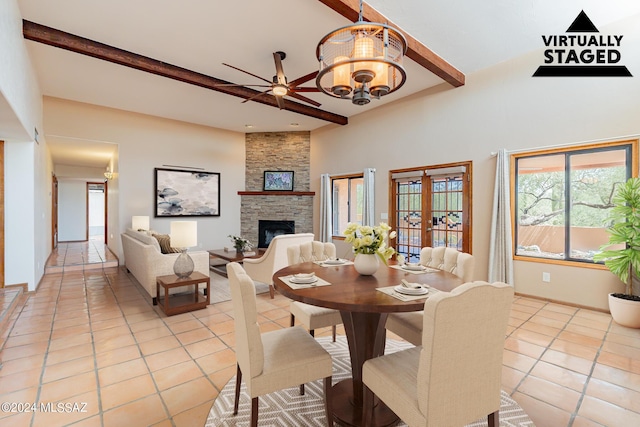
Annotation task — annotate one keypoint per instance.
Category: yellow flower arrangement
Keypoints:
(370, 240)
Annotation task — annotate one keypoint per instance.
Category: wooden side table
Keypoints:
(182, 303)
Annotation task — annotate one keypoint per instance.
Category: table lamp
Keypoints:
(140, 223)
(183, 235)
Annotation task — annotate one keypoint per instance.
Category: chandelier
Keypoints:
(360, 61)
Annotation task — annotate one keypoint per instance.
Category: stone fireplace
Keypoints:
(272, 151)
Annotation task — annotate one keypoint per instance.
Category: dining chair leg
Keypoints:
(272, 291)
(312, 332)
(254, 412)
(293, 320)
(367, 406)
(238, 384)
(333, 332)
(328, 397)
(301, 389)
(494, 419)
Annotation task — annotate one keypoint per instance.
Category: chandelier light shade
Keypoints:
(361, 61)
(183, 235)
(139, 222)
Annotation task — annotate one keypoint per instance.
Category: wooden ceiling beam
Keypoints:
(416, 51)
(53, 37)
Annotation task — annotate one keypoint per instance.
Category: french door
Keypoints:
(431, 206)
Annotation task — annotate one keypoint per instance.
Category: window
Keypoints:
(563, 198)
(430, 206)
(347, 199)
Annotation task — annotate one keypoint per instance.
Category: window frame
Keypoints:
(577, 149)
(349, 177)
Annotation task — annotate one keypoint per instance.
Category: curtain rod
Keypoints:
(570, 144)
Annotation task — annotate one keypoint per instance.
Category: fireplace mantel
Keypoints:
(276, 193)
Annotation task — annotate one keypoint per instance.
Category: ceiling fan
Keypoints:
(279, 86)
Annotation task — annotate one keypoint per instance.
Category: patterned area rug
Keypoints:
(287, 408)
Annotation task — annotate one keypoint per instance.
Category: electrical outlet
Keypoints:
(546, 277)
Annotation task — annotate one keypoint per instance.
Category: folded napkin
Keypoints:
(389, 290)
(293, 285)
(426, 270)
(324, 264)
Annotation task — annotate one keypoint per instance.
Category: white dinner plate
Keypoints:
(410, 291)
(334, 261)
(300, 281)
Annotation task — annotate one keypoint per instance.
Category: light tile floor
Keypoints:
(92, 338)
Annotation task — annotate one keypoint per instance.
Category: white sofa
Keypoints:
(143, 259)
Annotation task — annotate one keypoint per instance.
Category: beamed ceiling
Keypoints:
(165, 58)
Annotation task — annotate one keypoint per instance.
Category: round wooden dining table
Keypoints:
(364, 312)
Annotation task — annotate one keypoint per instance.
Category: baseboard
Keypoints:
(586, 307)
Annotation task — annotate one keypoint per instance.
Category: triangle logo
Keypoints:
(582, 24)
(581, 53)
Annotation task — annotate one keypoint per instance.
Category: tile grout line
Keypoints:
(586, 383)
(142, 355)
(46, 354)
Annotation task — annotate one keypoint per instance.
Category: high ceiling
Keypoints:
(201, 35)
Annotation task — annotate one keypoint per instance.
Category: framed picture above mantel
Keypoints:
(186, 193)
(278, 181)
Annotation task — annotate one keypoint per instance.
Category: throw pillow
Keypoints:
(165, 244)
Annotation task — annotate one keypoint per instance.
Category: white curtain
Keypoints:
(326, 227)
(369, 189)
(500, 255)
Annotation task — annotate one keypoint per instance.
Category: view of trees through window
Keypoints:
(348, 199)
(563, 200)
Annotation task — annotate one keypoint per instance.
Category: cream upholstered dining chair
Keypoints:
(275, 360)
(311, 316)
(275, 257)
(454, 378)
(409, 325)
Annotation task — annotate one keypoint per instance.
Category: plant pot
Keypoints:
(625, 312)
(366, 264)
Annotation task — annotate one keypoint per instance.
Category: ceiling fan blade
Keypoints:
(246, 72)
(280, 101)
(255, 96)
(303, 79)
(304, 89)
(239, 85)
(304, 98)
(279, 72)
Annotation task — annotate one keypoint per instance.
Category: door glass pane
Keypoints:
(446, 211)
(409, 218)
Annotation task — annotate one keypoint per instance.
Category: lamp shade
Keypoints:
(140, 222)
(184, 234)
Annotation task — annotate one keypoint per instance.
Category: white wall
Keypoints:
(72, 211)
(145, 143)
(18, 83)
(500, 107)
(27, 163)
(19, 214)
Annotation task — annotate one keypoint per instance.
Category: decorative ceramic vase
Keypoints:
(366, 264)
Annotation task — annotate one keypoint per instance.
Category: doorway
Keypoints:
(97, 211)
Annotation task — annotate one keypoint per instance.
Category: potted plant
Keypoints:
(240, 244)
(624, 261)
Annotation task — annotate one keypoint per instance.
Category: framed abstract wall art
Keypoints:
(181, 193)
(278, 180)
